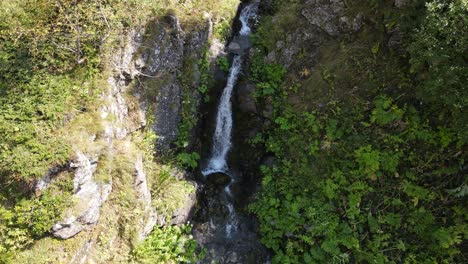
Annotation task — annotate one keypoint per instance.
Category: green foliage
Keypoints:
(223, 63)
(438, 58)
(269, 77)
(384, 112)
(28, 142)
(47, 63)
(190, 102)
(52, 54)
(29, 219)
(189, 160)
(206, 80)
(364, 178)
(169, 244)
(222, 30)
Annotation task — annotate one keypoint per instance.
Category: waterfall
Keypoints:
(222, 136)
(223, 132)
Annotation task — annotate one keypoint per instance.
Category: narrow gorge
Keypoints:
(227, 235)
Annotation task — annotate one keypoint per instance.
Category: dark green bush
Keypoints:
(376, 177)
(169, 244)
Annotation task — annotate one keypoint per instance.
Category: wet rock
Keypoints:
(246, 101)
(218, 179)
(268, 161)
(243, 247)
(235, 48)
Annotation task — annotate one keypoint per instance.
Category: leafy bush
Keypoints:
(364, 178)
(27, 123)
(269, 77)
(169, 244)
(29, 219)
(222, 30)
(223, 63)
(189, 160)
(438, 58)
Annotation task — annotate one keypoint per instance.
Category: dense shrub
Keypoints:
(169, 244)
(376, 177)
(29, 219)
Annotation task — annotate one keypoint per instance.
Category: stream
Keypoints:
(220, 225)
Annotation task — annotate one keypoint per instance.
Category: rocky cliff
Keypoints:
(120, 191)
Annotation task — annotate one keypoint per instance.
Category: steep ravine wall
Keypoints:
(115, 201)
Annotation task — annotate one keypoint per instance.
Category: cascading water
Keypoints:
(223, 132)
(222, 136)
(226, 235)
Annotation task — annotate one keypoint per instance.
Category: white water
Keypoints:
(222, 137)
(223, 132)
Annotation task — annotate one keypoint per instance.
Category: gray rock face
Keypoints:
(395, 40)
(185, 212)
(67, 228)
(218, 179)
(180, 216)
(147, 224)
(89, 196)
(322, 17)
(165, 55)
(329, 16)
(246, 101)
(44, 182)
(126, 117)
(210, 230)
(401, 3)
(322, 20)
(167, 114)
(166, 47)
(161, 55)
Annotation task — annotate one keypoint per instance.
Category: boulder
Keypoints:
(89, 196)
(67, 228)
(218, 179)
(235, 48)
